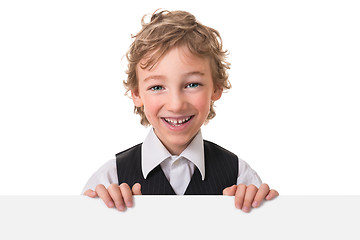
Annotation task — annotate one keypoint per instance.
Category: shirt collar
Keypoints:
(153, 152)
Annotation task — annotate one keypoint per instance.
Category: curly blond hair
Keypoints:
(166, 30)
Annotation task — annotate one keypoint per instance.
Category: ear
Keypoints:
(216, 95)
(136, 98)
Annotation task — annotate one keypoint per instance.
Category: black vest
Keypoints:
(221, 171)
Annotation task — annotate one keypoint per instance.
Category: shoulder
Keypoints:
(105, 175)
(216, 149)
(128, 159)
(107, 170)
(245, 167)
(247, 175)
(129, 151)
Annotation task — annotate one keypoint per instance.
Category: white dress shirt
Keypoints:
(154, 153)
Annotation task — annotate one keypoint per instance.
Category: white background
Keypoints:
(292, 114)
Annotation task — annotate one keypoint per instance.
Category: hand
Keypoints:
(250, 196)
(115, 195)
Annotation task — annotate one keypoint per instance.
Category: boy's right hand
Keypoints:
(115, 195)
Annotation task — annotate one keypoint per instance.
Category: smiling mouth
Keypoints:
(178, 121)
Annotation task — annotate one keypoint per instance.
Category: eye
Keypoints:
(192, 85)
(156, 88)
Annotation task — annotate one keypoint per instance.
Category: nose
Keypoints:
(176, 102)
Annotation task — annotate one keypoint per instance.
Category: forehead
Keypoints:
(178, 58)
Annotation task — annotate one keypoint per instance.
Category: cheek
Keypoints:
(202, 103)
(151, 108)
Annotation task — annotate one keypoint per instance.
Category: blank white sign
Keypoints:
(179, 217)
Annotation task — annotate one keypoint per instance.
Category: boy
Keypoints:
(176, 71)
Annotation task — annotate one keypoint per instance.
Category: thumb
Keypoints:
(230, 191)
(136, 189)
(90, 193)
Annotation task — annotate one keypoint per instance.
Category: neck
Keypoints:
(175, 149)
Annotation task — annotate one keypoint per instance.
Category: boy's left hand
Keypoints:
(250, 196)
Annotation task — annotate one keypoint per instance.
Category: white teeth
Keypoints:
(176, 122)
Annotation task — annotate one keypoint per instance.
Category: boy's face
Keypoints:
(176, 94)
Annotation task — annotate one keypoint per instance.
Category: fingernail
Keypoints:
(129, 204)
(237, 206)
(121, 208)
(255, 204)
(110, 204)
(246, 209)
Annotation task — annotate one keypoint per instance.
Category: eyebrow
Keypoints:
(196, 73)
(155, 77)
(186, 75)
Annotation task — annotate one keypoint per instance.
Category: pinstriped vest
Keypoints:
(221, 171)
